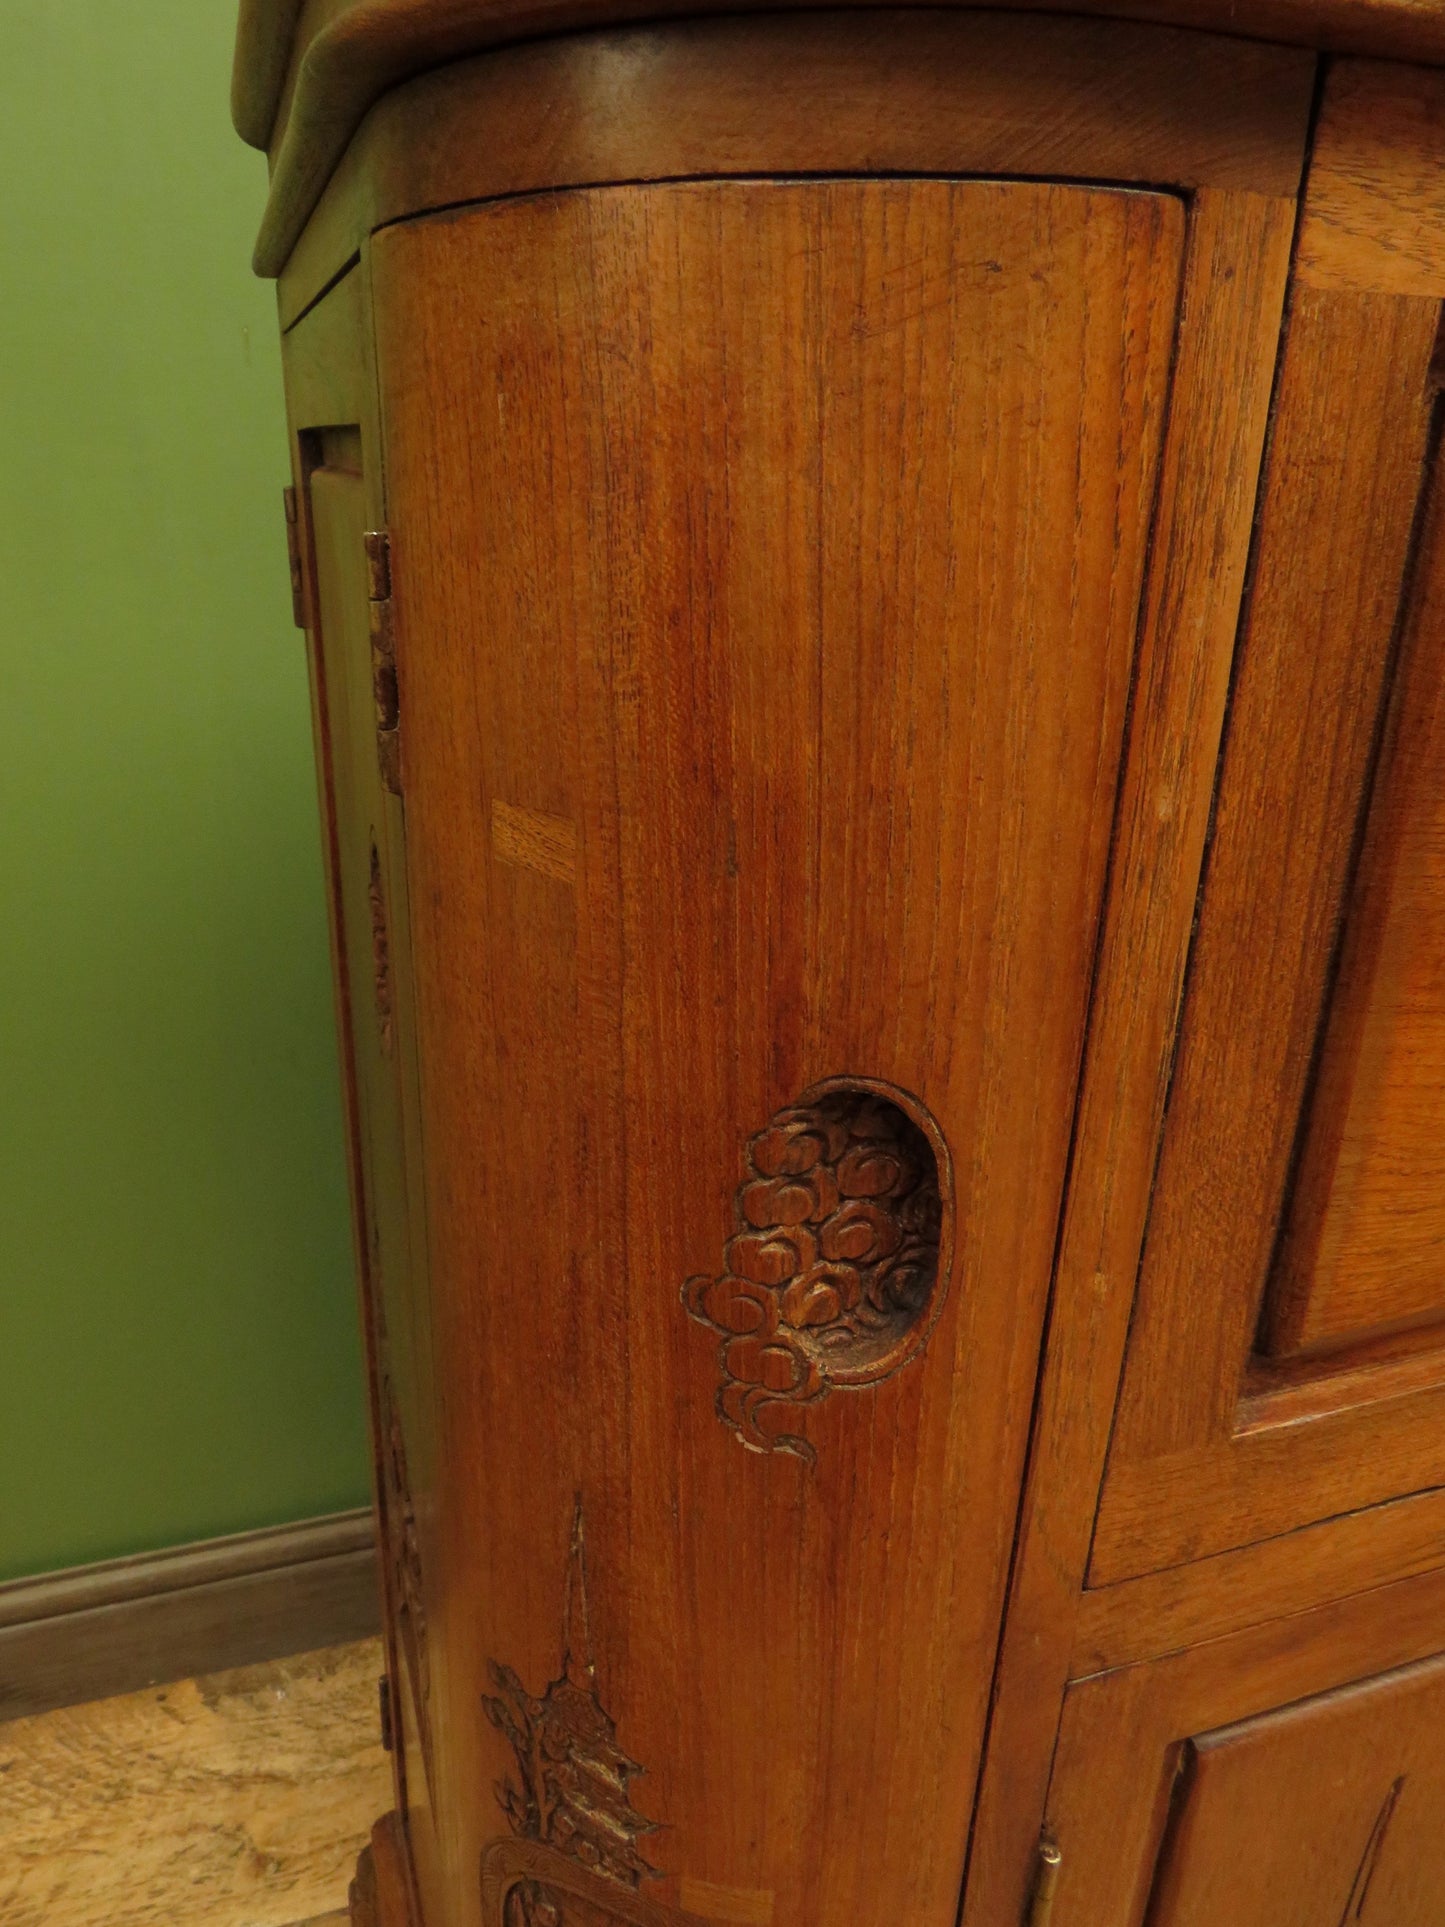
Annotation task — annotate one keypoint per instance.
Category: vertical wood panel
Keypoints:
(1214, 1446)
(1365, 1250)
(1350, 427)
(365, 860)
(787, 543)
(1233, 297)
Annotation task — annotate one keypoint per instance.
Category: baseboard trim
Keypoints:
(128, 1623)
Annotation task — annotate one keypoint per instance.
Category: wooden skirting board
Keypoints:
(127, 1623)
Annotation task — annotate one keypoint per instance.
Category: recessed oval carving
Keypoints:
(838, 1264)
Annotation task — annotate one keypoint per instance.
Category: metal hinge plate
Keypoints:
(384, 690)
(383, 1690)
(293, 556)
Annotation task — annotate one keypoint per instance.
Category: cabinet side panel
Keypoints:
(1187, 1476)
(331, 401)
(768, 561)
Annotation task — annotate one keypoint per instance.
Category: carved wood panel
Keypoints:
(402, 1549)
(751, 744)
(838, 1266)
(525, 1884)
(572, 1790)
(578, 1835)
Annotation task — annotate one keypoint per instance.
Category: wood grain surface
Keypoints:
(347, 53)
(336, 445)
(1364, 1252)
(1295, 1842)
(816, 609)
(1261, 1838)
(861, 93)
(1191, 1470)
(1234, 296)
(1182, 1606)
(788, 541)
(1375, 220)
(240, 1799)
(367, 865)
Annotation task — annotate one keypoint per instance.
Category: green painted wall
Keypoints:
(178, 1349)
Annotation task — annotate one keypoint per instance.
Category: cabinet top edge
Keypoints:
(307, 72)
(285, 48)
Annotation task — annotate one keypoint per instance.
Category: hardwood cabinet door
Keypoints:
(768, 564)
(1287, 1358)
(1259, 1781)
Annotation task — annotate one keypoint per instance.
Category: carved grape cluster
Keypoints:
(834, 1263)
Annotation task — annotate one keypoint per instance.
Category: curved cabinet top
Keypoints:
(306, 71)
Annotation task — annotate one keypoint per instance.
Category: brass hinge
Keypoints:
(383, 659)
(383, 1686)
(293, 556)
(1046, 1884)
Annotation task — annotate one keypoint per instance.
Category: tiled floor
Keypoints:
(239, 1800)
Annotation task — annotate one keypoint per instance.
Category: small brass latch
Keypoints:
(1046, 1882)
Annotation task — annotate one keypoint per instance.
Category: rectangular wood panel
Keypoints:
(1364, 1253)
(775, 552)
(1289, 1776)
(1272, 1378)
(1191, 1471)
(1325, 1811)
(1165, 1611)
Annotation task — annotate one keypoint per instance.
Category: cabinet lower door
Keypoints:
(1183, 1798)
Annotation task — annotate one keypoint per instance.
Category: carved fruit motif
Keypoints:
(833, 1274)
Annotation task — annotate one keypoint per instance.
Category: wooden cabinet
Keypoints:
(874, 588)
